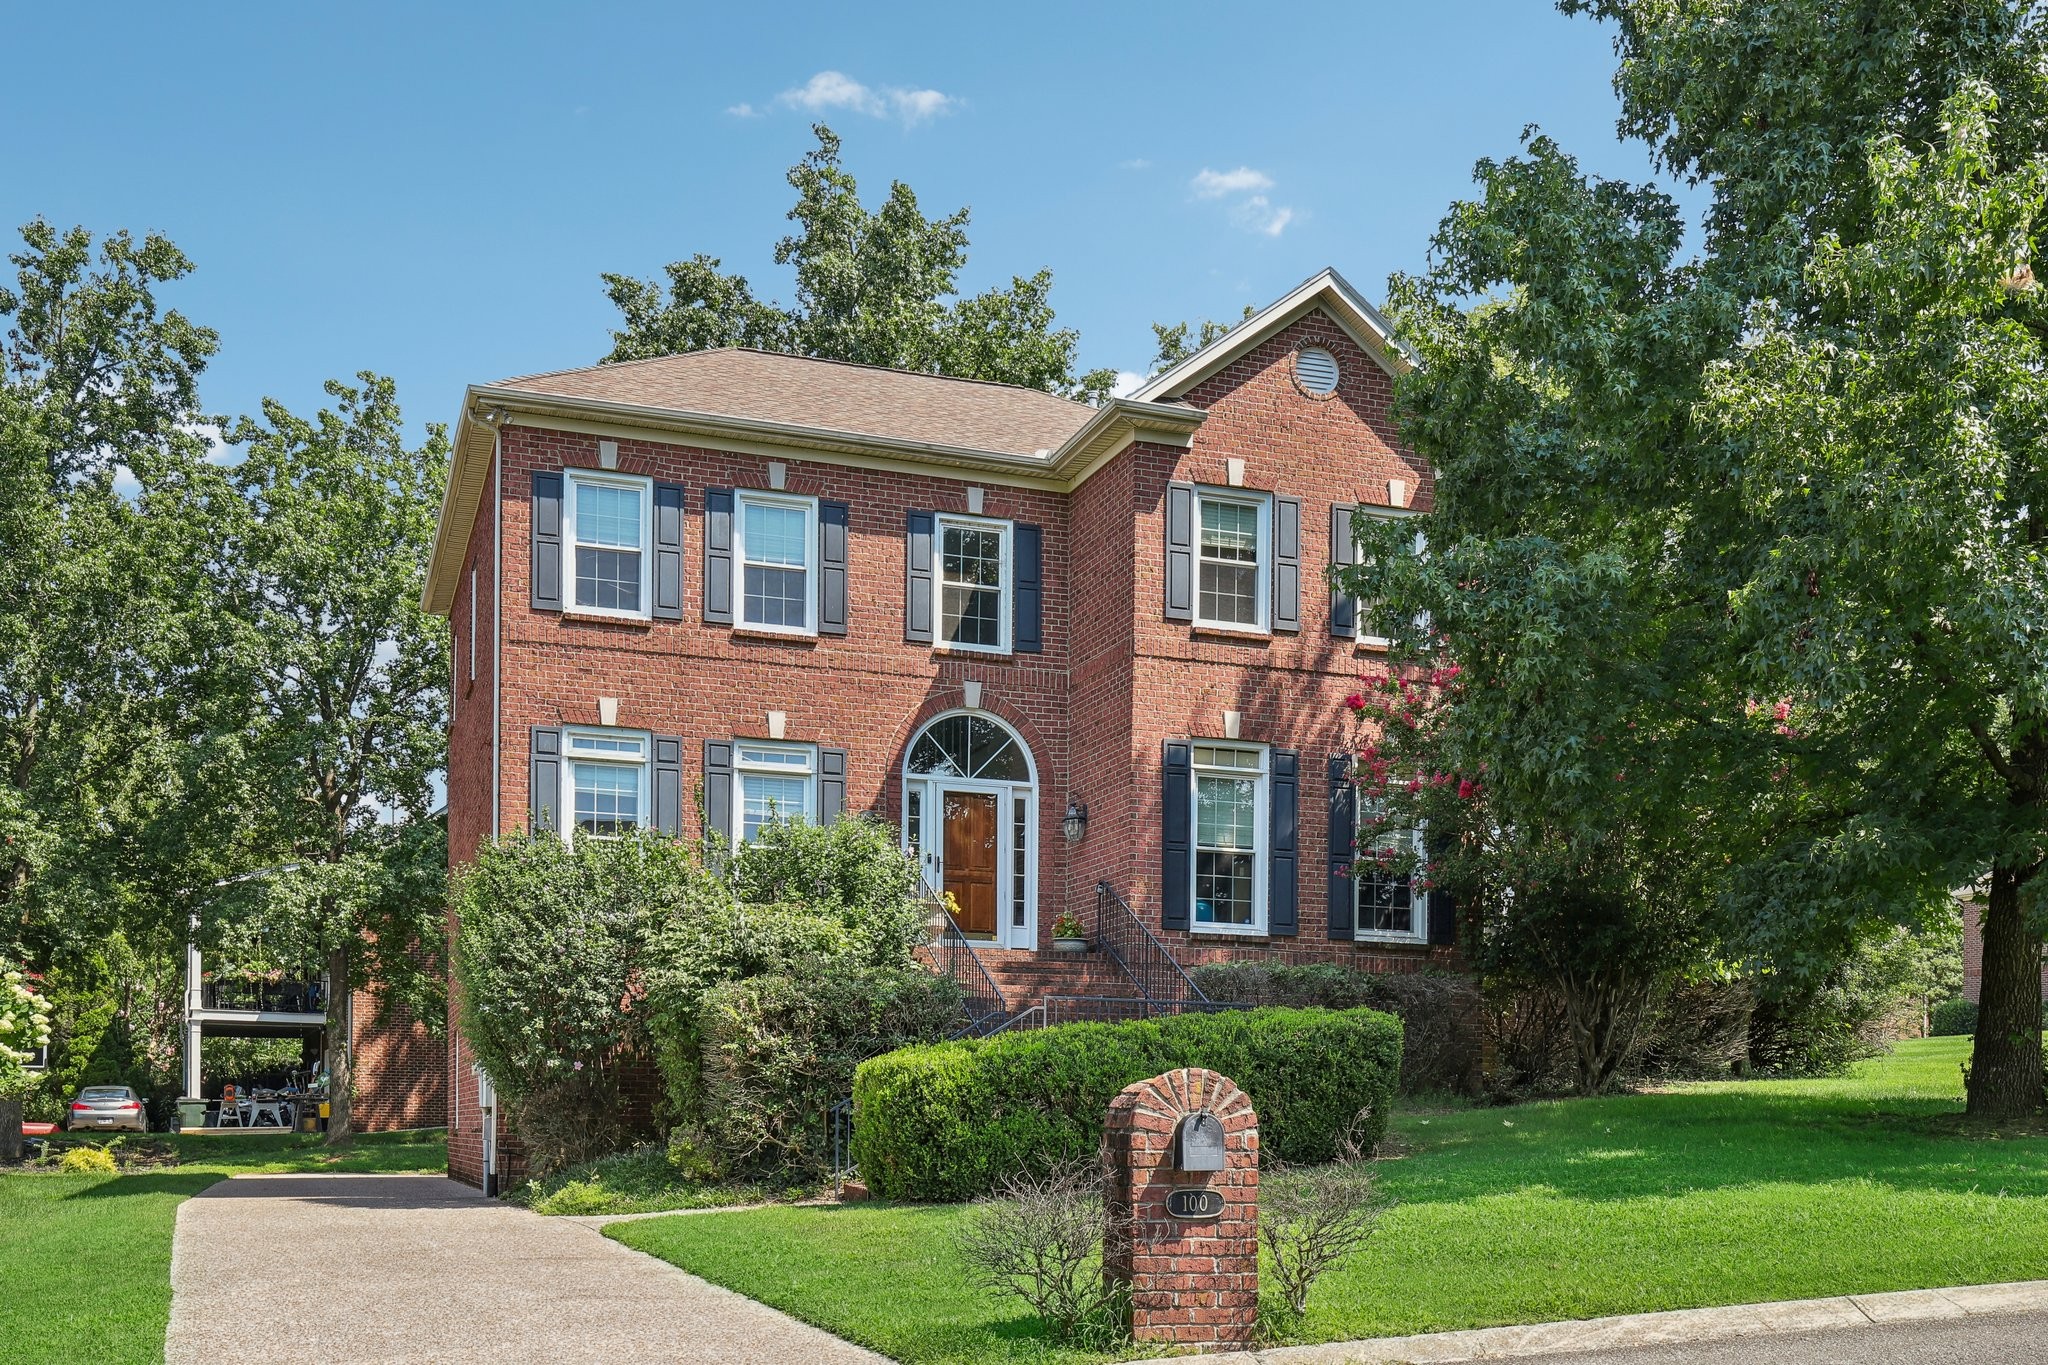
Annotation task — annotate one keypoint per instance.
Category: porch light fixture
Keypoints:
(1075, 823)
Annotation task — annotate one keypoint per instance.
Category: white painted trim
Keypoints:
(1358, 604)
(1349, 309)
(1241, 497)
(497, 624)
(1262, 832)
(741, 768)
(575, 479)
(643, 817)
(931, 836)
(1008, 529)
(809, 507)
(1418, 907)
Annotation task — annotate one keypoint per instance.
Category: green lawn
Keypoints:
(1703, 1194)
(85, 1260)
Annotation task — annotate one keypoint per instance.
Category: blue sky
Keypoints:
(432, 192)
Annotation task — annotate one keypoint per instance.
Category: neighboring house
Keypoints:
(971, 610)
(1972, 905)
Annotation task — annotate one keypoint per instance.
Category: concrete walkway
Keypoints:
(416, 1268)
(1984, 1323)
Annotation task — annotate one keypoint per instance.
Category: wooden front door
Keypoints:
(970, 853)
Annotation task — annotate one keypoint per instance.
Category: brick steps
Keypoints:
(1025, 979)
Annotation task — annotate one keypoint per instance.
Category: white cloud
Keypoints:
(830, 90)
(1127, 382)
(743, 110)
(1252, 210)
(1136, 163)
(1215, 184)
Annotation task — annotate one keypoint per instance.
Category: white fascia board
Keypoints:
(1365, 324)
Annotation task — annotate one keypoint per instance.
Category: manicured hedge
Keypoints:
(1953, 1018)
(950, 1120)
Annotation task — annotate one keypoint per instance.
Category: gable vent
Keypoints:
(1315, 369)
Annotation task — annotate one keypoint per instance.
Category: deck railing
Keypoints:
(269, 997)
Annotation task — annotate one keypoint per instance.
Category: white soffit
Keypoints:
(1326, 289)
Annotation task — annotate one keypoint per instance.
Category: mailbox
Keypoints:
(1198, 1143)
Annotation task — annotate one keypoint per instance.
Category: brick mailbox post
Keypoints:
(1182, 1156)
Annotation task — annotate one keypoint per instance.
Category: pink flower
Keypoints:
(1783, 710)
(1356, 701)
(1465, 789)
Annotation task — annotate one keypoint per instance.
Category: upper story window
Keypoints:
(1229, 844)
(1388, 908)
(1231, 560)
(777, 540)
(608, 517)
(1366, 610)
(974, 584)
(606, 781)
(772, 782)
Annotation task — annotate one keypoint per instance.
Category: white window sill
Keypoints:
(773, 632)
(606, 618)
(1232, 632)
(1392, 940)
(1229, 930)
(998, 651)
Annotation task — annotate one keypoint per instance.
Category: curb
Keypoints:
(1677, 1327)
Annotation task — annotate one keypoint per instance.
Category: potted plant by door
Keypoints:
(1068, 936)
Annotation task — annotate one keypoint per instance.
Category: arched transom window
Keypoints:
(969, 746)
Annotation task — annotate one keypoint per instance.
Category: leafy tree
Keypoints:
(100, 737)
(346, 688)
(876, 288)
(1181, 340)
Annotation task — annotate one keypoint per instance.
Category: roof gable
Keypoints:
(1327, 290)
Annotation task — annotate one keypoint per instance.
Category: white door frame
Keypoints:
(931, 839)
(487, 1128)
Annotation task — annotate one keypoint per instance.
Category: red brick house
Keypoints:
(969, 609)
(1972, 905)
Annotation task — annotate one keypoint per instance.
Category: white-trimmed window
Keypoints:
(1365, 608)
(974, 584)
(772, 782)
(776, 545)
(610, 525)
(1390, 910)
(1233, 553)
(604, 781)
(1230, 837)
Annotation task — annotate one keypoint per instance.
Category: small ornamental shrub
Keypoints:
(1039, 1238)
(86, 1160)
(952, 1120)
(1953, 1019)
(1312, 1220)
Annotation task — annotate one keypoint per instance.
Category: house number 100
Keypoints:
(1194, 1205)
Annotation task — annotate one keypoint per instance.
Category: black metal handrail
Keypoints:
(270, 997)
(1144, 959)
(953, 955)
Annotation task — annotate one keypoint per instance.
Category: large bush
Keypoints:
(24, 1027)
(777, 1052)
(1953, 1019)
(1439, 1013)
(550, 944)
(951, 1120)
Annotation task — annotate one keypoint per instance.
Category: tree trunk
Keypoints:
(340, 1077)
(2005, 1061)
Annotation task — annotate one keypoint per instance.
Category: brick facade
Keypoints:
(1973, 952)
(400, 1071)
(1114, 681)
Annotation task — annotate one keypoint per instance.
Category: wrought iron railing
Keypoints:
(1144, 959)
(953, 955)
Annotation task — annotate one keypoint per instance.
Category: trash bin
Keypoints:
(192, 1113)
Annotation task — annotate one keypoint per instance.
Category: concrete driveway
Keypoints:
(418, 1268)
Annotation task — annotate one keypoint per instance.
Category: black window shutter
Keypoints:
(1287, 563)
(668, 784)
(1180, 552)
(831, 785)
(547, 541)
(718, 790)
(718, 556)
(1343, 552)
(1343, 848)
(544, 779)
(668, 552)
(1176, 888)
(917, 577)
(1443, 918)
(831, 567)
(1027, 610)
(1283, 866)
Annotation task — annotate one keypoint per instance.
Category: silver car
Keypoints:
(106, 1108)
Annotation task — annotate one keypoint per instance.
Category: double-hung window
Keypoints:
(777, 547)
(772, 782)
(606, 781)
(1230, 836)
(1366, 609)
(1389, 909)
(974, 584)
(1232, 548)
(609, 518)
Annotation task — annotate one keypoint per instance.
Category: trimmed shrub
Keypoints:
(1953, 1019)
(1439, 1013)
(952, 1120)
(86, 1161)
